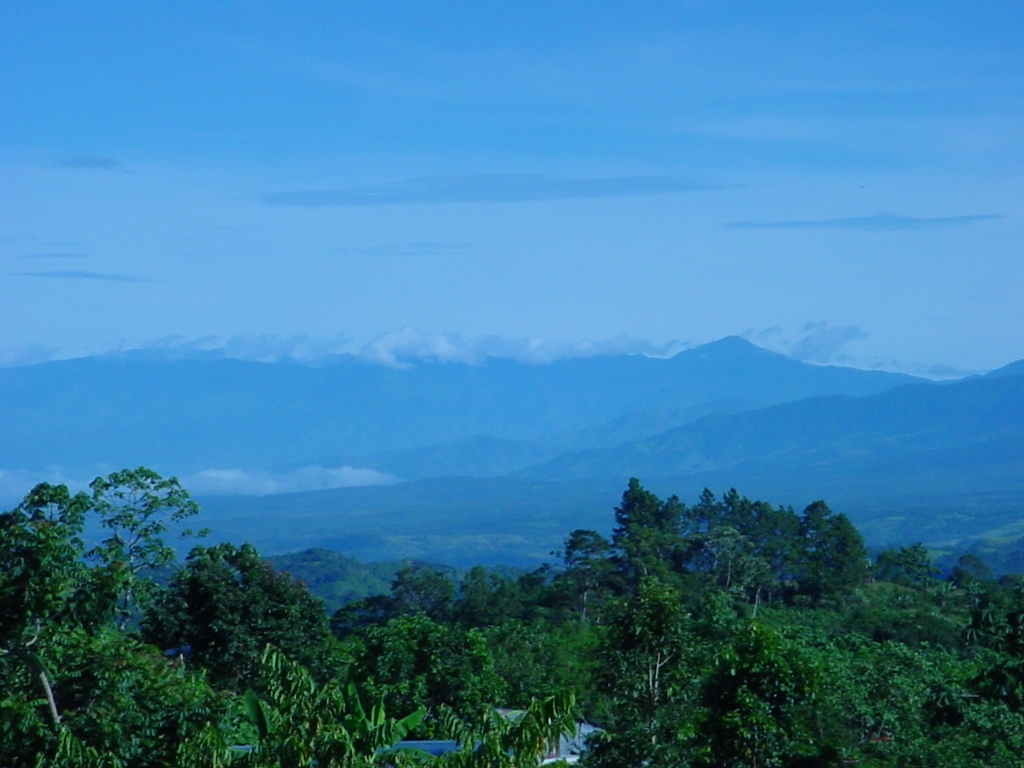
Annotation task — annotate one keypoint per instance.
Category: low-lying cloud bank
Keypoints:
(817, 342)
(407, 347)
(262, 348)
(16, 483)
(821, 343)
(238, 482)
(400, 349)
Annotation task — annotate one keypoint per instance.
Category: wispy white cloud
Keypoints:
(400, 349)
(408, 346)
(824, 343)
(821, 343)
(816, 342)
(238, 482)
(494, 188)
(16, 483)
(880, 221)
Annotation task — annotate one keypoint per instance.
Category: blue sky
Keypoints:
(841, 181)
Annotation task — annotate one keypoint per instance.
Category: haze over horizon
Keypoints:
(840, 183)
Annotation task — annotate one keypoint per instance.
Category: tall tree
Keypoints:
(41, 564)
(644, 668)
(487, 599)
(834, 557)
(588, 567)
(40, 572)
(646, 534)
(424, 589)
(226, 604)
(910, 566)
(136, 508)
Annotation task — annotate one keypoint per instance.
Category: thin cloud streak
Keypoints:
(77, 274)
(496, 188)
(881, 221)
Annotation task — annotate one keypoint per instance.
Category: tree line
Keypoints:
(727, 632)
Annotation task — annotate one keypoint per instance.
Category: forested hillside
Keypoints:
(918, 431)
(335, 578)
(718, 633)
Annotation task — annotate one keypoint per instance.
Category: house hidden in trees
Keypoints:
(567, 748)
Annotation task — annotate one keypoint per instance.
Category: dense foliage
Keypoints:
(226, 605)
(728, 632)
(734, 633)
(227, 662)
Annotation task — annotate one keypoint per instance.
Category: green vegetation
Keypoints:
(729, 632)
(334, 578)
(227, 663)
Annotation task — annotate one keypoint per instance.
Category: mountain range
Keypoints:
(187, 415)
(496, 462)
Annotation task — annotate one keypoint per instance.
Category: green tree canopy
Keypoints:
(646, 535)
(227, 604)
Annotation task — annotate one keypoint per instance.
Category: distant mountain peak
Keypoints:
(726, 348)
(731, 344)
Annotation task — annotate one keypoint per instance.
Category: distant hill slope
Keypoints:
(337, 579)
(487, 456)
(938, 463)
(974, 427)
(188, 415)
(1013, 369)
